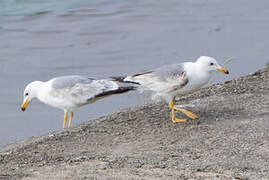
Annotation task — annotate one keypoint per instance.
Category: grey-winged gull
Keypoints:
(70, 92)
(170, 81)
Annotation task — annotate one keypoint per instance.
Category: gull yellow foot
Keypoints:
(188, 113)
(176, 120)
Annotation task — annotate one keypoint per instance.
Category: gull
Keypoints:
(169, 81)
(70, 92)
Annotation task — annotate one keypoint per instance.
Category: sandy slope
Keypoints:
(229, 141)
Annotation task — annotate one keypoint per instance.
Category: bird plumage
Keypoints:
(70, 92)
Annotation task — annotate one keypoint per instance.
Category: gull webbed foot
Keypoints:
(176, 120)
(188, 113)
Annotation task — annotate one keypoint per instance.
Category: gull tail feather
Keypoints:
(123, 79)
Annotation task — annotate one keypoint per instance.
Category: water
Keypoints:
(43, 39)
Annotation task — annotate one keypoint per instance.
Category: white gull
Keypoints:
(170, 81)
(70, 92)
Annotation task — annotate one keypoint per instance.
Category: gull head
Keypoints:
(29, 93)
(209, 64)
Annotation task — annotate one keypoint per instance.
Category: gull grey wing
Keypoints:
(163, 79)
(69, 81)
(161, 73)
(103, 88)
(169, 71)
(184, 82)
(80, 90)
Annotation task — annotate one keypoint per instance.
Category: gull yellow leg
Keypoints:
(174, 119)
(171, 103)
(65, 119)
(188, 113)
(70, 119)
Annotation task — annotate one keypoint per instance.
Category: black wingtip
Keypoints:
(120, 90)
(126, 89)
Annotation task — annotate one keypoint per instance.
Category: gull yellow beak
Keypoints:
(24, 105)
(224, 71)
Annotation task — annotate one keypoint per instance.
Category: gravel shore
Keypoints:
(230, 140)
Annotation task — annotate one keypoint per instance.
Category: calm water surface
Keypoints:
(43, 39)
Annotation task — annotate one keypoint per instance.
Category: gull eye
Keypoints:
(26, 94)
(211, 64)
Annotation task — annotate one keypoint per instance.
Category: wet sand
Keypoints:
(228, 141)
